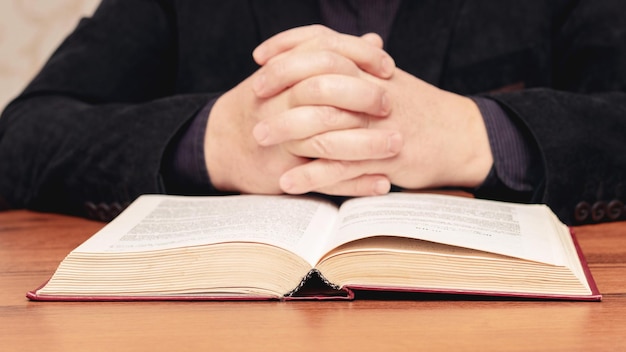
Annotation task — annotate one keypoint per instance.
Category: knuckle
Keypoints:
(372, 146)
(318, 29)
(340, 167)
(368, 122)
(336, 170)
(276, 68)
(360, 186)
(328, 61)
(308, 179)
(281, 125)
(314, 88)
(322, 146)
(331, 42)
(378, 146)
(327, 116)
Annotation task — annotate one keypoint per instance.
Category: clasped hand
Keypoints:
(330, 113)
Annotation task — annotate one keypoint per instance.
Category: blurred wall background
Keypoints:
(30, 30)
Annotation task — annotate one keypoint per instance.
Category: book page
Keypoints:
(156, 222)
(516, 230)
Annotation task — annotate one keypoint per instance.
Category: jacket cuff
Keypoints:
(516, 170)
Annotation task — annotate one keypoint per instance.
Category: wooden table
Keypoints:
(32, 244)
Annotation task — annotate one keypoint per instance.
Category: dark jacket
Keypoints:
(90, 132)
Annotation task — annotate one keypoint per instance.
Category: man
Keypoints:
(516, 101)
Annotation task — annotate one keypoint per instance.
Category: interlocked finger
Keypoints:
(289, 68)
(343, 92)
(366, 185)
(352, 144)
(306, 121)
(335, 177)
(370, 58)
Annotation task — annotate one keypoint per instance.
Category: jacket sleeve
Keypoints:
(88, 135)
(579, 123)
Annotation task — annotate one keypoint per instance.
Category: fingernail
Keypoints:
(382, 187)
(260, 132)
(394, 143)
(258, 84)
(286, 184)
(385, 105)
(259, 54)
(388, 66)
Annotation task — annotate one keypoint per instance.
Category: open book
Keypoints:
(288, 247)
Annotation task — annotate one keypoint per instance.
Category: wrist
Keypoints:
(215, 154)
(475, 150)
